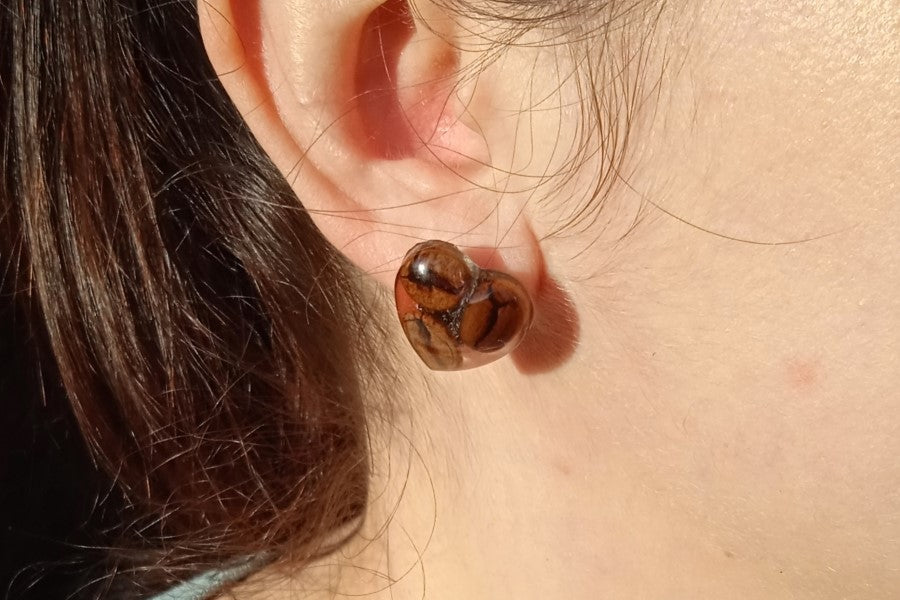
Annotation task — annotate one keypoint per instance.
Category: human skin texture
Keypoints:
(707, 405)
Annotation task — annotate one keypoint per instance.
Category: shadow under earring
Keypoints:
(456, 315)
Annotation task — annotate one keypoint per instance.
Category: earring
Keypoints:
(456, 315)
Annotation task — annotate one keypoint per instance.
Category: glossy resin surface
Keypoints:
(455, 314)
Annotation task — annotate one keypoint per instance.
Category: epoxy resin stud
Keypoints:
(455, 315)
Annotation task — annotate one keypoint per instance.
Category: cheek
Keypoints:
(795, 477)
(766, 394)
(774, 363)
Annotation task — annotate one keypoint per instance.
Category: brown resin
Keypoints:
(456, 315)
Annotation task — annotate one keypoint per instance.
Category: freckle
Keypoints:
(562, 467)
(802, 374)
(729, 554)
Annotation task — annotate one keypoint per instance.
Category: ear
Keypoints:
(364, 107)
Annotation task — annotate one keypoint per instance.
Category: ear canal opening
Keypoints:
(385, 33)
(406, 91)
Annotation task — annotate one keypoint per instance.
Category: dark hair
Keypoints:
(160, 275)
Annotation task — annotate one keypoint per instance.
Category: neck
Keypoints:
(499, 485)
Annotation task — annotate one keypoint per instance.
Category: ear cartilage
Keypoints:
(456, 315)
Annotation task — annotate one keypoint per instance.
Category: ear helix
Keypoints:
(456, 315)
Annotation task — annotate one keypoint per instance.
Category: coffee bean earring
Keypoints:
(456, 315)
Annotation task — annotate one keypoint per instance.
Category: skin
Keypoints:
(720, 415)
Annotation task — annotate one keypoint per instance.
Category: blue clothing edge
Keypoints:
(206, 584)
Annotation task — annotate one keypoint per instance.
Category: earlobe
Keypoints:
(361, 107)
